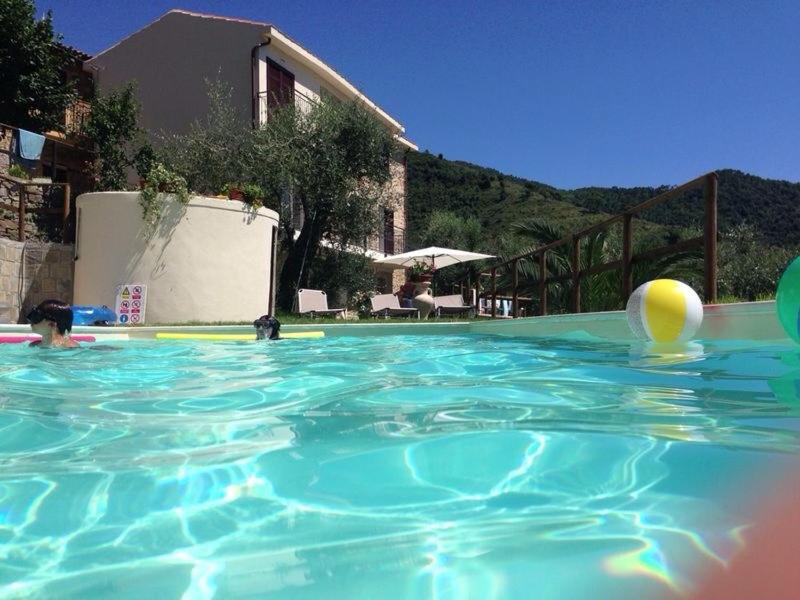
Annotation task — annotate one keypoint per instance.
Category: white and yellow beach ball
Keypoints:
(664, 311)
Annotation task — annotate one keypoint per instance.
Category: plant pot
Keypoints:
(423, 299)
(235, 194)
(426, 277)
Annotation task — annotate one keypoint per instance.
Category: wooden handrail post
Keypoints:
(514, 292)
(576, 274)
(710, 237)
(65, 213)
(477, 292)
(494, 292)
(543, 283)
(21, 213)
(627, 254)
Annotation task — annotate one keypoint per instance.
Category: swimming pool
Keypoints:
(401, 466)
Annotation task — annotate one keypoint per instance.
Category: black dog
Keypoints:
(267, 327)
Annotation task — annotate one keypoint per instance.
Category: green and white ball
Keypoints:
(664, 311)
(788, 300)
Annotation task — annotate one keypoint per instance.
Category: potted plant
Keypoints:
(420, 272)
(160, 180)
(18, 171)
(253, 195)
(233, 190)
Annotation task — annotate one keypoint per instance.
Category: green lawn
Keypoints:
(294, 319)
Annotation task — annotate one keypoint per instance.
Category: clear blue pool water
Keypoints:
(394, 467)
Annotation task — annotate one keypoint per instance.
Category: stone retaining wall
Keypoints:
(38, 226)
(69, 168)
(31, 272)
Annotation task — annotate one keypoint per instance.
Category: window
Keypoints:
(388, 231)
(280, 85)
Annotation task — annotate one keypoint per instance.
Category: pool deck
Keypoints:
(748, 320)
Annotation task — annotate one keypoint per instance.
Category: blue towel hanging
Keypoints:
(30, 145)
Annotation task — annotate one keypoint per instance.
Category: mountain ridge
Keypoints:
(500, 201)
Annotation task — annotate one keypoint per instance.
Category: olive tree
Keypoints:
(332, 162)
(218, 149)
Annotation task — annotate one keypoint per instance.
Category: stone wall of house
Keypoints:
(397, 190)
(30, 272)
(397, 187)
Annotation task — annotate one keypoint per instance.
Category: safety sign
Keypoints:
(131, 299)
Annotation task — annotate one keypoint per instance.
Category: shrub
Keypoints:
(144, 160)
(343, 273)
(748, 268)
(160, 180)
(111, 130)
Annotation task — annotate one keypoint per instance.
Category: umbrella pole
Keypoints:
(433, 280)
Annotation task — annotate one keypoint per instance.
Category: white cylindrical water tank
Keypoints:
(210, 261)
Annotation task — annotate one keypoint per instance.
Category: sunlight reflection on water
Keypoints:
(442, 466)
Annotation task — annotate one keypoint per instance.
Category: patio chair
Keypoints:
(315, 303)
(452, 305)
(387, 305)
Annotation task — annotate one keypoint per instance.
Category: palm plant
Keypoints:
(601, 291)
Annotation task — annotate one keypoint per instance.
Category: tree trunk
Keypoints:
(297, 262)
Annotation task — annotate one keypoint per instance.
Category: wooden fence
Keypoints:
(707, 241)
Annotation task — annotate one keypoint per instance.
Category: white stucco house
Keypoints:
(172, 58)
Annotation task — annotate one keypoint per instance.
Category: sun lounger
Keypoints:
(451, 305)
(387, 305)
(315, 303)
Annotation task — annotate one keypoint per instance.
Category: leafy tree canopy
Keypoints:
(448, 230)
(112, 131)
(32, 92)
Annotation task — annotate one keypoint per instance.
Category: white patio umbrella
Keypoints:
(432, 256)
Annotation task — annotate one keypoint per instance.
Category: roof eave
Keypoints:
(406, 143)
(286, 44)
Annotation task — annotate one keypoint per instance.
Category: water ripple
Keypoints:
(437, 466)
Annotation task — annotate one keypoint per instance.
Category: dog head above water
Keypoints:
(267, 327)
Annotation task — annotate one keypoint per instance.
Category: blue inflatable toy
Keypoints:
(93, 315)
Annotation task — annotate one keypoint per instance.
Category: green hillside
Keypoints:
(498, 200)
(772, 207)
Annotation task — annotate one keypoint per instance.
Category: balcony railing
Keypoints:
(76, 115)
(266, 103)
(389, 241)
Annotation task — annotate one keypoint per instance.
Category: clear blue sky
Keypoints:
(568, 93)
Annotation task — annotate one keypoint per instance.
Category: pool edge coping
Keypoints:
(744, 320)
